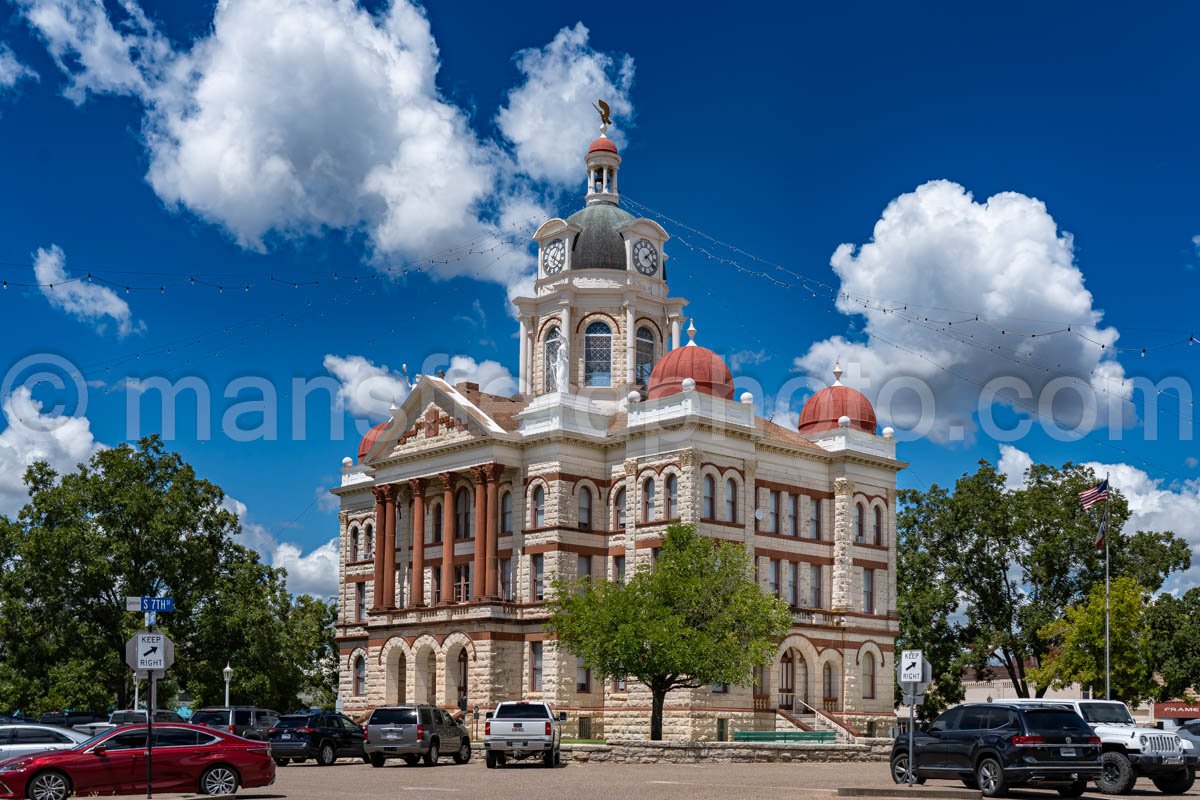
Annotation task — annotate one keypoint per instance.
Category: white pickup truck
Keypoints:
(519, 729)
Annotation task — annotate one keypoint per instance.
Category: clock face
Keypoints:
(554, 256)
(645, 256)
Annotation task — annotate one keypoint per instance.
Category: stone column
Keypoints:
(567, 339)
(416, 593)
(689, 487)
(478, 585)
(492, 548)
(675, 323)
(380, 524)
(389, 545)
(843, 535)
(630, 347)
(447, 479)
(525, 369)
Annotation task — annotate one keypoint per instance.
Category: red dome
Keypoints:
(700, 364)
(826, 407)
(370, 439)
(603, 143)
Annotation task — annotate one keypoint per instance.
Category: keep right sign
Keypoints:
(910, 666)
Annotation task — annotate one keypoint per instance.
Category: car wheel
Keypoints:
(1116, 774)
(1176, 782)
(49, 786)
(282, 762)
(377, 759)
(431, 755)
(218, 780)
(1076, 789)
(490, 759)
(900, 770)
(990, 776)
(412, 761)
(464, 752)
(326, 755)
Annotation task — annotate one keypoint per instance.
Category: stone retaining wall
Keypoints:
(646, 752)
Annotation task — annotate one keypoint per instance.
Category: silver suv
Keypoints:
(414, 733)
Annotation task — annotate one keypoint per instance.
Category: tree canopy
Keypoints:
(138, 521)
(695, 618)
(984, 572)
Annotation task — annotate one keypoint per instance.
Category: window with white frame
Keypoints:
(709, 511)
(773, 501)
(538, 511)
(868, 676)
(550, 348)
(535, 666)
(360, 676)
(354, 543)
(585, 508)
(860, 522)
(619, 510)
(537, 576)
(648, 500)
(731, 503)
(645, 355)
(868, 591)
(672, 497)
(597, 355)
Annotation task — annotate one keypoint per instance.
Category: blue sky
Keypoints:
(275, 145)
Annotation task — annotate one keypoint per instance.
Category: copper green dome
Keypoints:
(600, 244)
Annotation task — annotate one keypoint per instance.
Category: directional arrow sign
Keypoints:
(148, 651)
(910, 666)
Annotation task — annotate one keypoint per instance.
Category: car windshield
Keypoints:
(1106, 713)
(522, 711)
(86, 743)
(211, 718)
(394, 716)
(292, 721)
(1053, 720)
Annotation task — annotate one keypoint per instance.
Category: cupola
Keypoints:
(702, 366)
(825, 409)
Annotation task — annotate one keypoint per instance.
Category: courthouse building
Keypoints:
(465, 505)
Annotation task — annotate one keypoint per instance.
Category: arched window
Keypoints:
(436, 510)
(360, 676)
(597, 355)
(645, 356)
(619, 510)
(672, 497)
(354, 543)
(878, 525)
(506, 512)
(462, 514)
(827, 686)
(585, 508)
(369, 542)
(538, 512)
(648, 500)
(860, 523)
(709, 511)
(868, 676)
(552, 343)
(731, 500)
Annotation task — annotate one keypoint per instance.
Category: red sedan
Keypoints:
(187, 758)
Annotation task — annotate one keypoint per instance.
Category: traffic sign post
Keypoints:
(913, 673)
(150, 654)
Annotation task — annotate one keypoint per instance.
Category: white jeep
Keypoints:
(1130, 752)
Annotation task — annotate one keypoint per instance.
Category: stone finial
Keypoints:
(837, 372)
(691, 332)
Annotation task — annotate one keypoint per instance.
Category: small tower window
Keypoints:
(710, 491)
(597, 359)
(354, 543)
(672, 497)
(585, 508)
(730, 501)
(462, 514)
(645, 356)
(553, 342)
(539, 508)
(648, 500)
(506, 512)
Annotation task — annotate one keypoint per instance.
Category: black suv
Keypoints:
(322, 735)
(245, 721)
(995, 746)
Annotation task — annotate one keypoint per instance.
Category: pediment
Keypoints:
(433, 415)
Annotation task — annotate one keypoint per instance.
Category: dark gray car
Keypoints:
(245, 721)
(414, 733)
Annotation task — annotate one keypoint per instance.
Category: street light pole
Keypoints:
(228, 673)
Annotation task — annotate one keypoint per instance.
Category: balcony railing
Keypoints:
(762, 702)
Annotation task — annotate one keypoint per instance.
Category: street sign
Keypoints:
(910, 666)
(133, 603)
(159, 604)
(150, 652)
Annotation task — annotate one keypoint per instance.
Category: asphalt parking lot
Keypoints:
(603, 781)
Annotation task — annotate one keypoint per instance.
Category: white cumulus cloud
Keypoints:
(549, 118)
(31, 435)
(12, 71)
(1014, 463)
(938, 256)
(81, 299)
(313, 573)
(294, 117)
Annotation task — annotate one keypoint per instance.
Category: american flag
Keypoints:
(1094, 495)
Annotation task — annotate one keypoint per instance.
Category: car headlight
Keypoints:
(1184, 744)
(15, 766)
(1142, 740)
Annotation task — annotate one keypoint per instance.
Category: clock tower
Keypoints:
(600, 317)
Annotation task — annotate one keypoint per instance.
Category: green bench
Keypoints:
(811, 737)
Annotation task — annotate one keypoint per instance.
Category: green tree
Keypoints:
(995, 567)
(137, 521)
(695, 618)
(1077, 644)
(1175, 643)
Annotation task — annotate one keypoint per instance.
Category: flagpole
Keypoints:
(1107, 672)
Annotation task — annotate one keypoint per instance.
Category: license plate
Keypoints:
(391, 734)
(1067, 751)
(1173, 760)
(286, 736)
